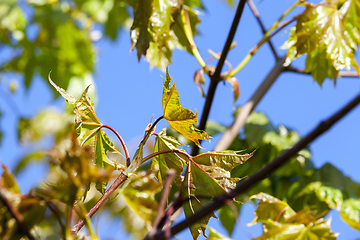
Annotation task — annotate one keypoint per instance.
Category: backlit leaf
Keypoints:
(327, 188)
(181, 119)
(350, 212)
(8, 181)
(208, 175)
(219, 165)
(320, 33)
(200, 189)
(215, 235)
(140, 196)
(163, 162)
(89, 127)
(280, 221)
(140, 35)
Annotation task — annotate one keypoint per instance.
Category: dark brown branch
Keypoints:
(257, 16)
(263, 173)
(340, 74)
(122, 177)
(17, 215)
(215, 78)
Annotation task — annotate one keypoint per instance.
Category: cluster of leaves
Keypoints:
(303, 187)
(206, 175)
(59, 36)
(281, 221)
(329, 34)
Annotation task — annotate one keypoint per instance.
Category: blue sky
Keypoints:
(129, 94)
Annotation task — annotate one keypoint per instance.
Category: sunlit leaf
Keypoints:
(163, 162)
(270, 207)
(140, 35)
(200, 189)
(320, 33)
(327, 188)
(218, 165)
(89, 129)
(208, 176)
(350, 212)
(8, 181)
(140, 196)
(215, 235)
(181, 119)
(280, 221)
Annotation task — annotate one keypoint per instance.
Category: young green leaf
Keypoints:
(166, 161)
(280, 221)
(89, 127)
(218, 165)
(208, 176)
(200, 189)
(181, 119)
(215, 235)
(327, 188)
(140, 196)
(320, 34)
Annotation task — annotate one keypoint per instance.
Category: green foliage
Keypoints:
(292, 201)
(280, 221)
(181, 119)
(323, 33)
(161, 163)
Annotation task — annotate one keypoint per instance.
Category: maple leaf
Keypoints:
(320, 33)
(208, 176)
(181, 119)
(89, 129)
(163, 162)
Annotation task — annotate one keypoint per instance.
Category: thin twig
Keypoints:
(17, 215)
(122, 143)
(231, 133)
(257, 16)
(215, 78)
(171, 174)
(263, 173)
(122, 177)
(340, 74)
(151, 128)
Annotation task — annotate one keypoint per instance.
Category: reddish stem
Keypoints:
(122, 177)
(122, 143)
(151, 128)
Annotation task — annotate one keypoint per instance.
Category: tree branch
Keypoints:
(215, 78)
(263, 173)
(257, 16)
(16, 215)
(122, 177)
(171, 174)
(340, 74)
(230, 134)
(122, 143)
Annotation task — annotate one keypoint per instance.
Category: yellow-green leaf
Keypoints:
(166, 161)
(181, 119)
(89, 128)
(320, 33)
